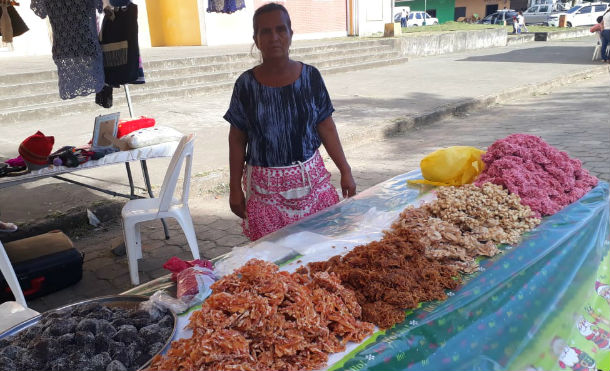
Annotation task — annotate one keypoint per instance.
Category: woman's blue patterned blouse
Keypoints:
(280, 123)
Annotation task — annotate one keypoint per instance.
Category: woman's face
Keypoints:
(273, 37)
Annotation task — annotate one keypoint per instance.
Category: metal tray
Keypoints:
(125, 301)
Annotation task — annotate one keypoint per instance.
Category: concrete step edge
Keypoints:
(51, 73)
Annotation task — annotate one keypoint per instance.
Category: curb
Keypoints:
(73, 222)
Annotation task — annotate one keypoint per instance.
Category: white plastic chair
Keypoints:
(165, 206)
(597, 52)
(11, 278)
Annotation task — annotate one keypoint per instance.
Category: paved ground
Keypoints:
(573, 118)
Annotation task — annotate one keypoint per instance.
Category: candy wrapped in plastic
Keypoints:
(162, 300)
(194, 284)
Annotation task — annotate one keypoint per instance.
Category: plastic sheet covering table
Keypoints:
(542, 305)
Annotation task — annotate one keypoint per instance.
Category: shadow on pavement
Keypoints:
(548, 54)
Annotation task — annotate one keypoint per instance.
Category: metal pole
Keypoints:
(425, 10)
(128, 96)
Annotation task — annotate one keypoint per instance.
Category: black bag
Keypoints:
(43, 264)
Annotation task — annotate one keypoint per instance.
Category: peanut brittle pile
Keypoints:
(261, 319)
(441, 240)
(487, 212)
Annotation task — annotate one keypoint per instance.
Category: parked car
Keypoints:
(416, 18)
(539, 14)
(580, 15)
(497, 17)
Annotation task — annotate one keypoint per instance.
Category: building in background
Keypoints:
(368, 17)
(444, 10)
(482, 8)
(188, 23)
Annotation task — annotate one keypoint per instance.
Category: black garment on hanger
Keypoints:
(104, 97)
(119, 38)
(19, 26)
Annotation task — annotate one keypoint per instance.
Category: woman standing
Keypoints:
(280, 114)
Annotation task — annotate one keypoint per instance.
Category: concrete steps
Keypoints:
(30, 96)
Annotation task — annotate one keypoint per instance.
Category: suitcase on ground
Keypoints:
(43, 264)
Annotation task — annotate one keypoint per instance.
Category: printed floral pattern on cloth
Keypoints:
(278, 196)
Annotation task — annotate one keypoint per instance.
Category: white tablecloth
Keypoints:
(144, 153)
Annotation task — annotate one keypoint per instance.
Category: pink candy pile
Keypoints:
(545, 178)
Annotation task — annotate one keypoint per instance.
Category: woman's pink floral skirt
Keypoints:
(278, 196)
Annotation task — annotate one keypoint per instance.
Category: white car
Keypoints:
(416, 18)
(580, 15)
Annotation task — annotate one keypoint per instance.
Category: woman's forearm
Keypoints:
(330, 139)
(237, 156)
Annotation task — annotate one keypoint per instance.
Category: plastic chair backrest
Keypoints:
(184, 150)
(10, 276)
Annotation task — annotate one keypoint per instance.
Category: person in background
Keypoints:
(599, 26)
(515, 25)
(521, 20)
(280, 113)
(605, 36)
(597, 29)
(403, 17)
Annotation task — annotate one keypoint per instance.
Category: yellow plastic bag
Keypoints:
(451, 166)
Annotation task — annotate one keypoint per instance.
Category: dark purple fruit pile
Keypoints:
(88, 337)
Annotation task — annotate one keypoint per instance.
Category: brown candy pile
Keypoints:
(441, 240)
(389, 276)
(260, 319)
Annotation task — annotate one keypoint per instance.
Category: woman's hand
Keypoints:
(237, 201)
(330, 138)
(348, 184)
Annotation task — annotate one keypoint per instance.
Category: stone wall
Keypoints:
(450, 42)
(567, 33)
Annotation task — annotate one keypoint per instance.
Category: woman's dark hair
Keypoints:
(268, 8)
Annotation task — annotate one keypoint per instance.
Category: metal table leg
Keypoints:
(150, 193)
(131, 188)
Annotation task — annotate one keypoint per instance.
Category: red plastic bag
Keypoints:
(177, 265)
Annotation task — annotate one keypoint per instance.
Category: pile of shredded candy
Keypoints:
(261, 319)
(389, 276)
(545, 178)
(441, 240)
(487, 213)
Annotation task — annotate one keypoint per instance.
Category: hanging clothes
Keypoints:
(76, 49)
(119, 38)
(11, 24)
(225, 6)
